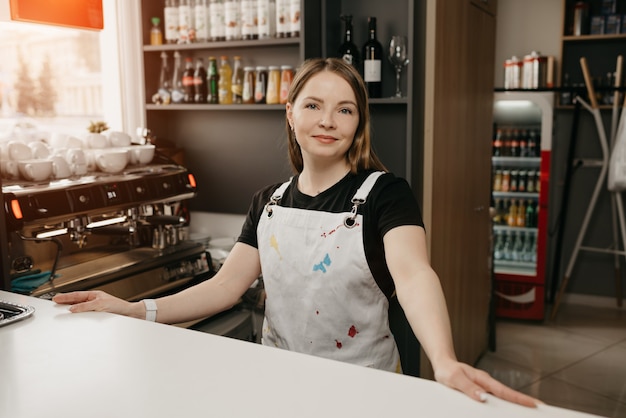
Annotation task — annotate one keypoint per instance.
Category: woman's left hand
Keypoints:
(477, 383)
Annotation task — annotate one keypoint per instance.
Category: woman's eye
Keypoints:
(310, 106)
(346, 111)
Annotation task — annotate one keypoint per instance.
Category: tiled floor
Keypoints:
(577, 361)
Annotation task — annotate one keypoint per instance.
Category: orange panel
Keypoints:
(85, 14)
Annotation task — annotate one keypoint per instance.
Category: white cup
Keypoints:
(73, 142)
(40, 150)
(9, 169)
(95, 141)
(118, 139)
(35, 170)
(18, 151)
(112, 161)
(141, 154)
(58, 140)
(60, 168)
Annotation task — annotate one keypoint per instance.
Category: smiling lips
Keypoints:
(325, 138)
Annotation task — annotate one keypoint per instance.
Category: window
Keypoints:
(57, 79)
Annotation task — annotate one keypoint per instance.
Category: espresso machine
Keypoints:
(124, 233)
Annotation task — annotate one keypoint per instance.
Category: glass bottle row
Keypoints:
(516, 213)
(512, 179)
(188, 21)
(221, 83)
(517, 246)
(516, 142)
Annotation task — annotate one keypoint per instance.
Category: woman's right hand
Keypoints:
(99, 301)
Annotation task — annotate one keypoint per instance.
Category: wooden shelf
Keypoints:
(223, 45)
(583, 38)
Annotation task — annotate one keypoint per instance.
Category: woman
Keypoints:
(333, 244)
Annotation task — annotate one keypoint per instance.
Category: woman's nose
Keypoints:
(327, 121)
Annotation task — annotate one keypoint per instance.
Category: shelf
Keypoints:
(223, 44)
(389, 100)
(583, 38)
(507, 228)
(517, 161)
(515, 267)
(516, 195)
(193, 106)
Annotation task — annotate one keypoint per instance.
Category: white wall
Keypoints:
(524, 26)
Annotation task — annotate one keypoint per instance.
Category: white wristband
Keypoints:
(151, 309)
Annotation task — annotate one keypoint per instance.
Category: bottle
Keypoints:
(266, 12)
(185, 22)
(188, 81)
(523, 143)
(513, 180)
(163, 95)
(201, 18)
(521, 214)
(507, 252)
(224, 88)
(512, 216)
(533, 143)
(506, 143)
(156, 36)
(200, 82)
(372, 62)
(218, 21)
(213, 82)
(497, 181)
(273, 85)
(248, 85)
(232, 17)
(518, 247)
(498, 250)
(249, 19)
(286, 77)
(531, 221)
(497, 144)
(283, 27)
(348, 51)
(528, 247)
(514, 151)
(566, 94)
(260, 85)
(505, 184)
(294, 18)
(178, 90)
(170, 16)
(497, 217)
(237, 80)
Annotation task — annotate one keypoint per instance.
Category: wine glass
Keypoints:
(398, 56)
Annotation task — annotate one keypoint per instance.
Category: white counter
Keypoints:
(58, 364)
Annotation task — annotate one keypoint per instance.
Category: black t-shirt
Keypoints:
(391, 203)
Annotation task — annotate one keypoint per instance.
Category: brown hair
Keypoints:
(360, 155)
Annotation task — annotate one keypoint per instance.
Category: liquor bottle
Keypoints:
(232, 17)
(200, 82)
(201, 18)
(163, 95)
(212, 82)
(156, 36)
(237, 80)
(185, 22)
(178, 90)
(225, 93)
(170, 21)
(188, 81)
(348, 51)
(218, 21)
(372, 62)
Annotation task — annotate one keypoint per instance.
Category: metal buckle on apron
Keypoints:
(268, 206)
(350, 220)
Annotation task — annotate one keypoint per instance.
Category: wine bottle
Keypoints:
(372, 62)
(348, 51)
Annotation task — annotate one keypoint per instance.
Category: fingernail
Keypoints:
(482, 396)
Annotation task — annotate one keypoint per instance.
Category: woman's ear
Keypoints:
(289, 111)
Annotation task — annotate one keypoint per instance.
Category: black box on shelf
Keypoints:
(609, 7)
(597, 25)
(612, 25)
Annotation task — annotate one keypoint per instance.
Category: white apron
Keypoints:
(321, 296)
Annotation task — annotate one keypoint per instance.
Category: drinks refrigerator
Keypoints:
(522, 141)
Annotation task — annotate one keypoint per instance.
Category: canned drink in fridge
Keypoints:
(513, 73)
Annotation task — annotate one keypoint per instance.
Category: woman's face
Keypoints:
(325, 118)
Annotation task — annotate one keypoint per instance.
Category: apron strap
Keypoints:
(360, 197)
(276, 196)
